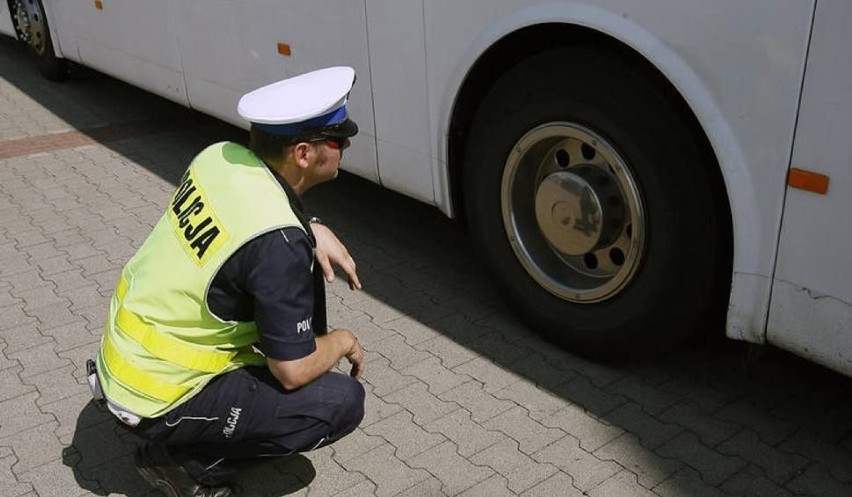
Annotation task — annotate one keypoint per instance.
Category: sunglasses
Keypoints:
(336, 143)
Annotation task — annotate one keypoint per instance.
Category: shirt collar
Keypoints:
(295, 203)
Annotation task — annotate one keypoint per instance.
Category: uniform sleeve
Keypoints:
(281, 283)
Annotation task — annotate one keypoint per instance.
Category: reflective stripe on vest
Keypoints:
(163, 346)
(137, 379)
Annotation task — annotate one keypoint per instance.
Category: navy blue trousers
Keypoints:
(246, 414)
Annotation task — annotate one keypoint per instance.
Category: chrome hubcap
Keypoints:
(30, 22)
(572, 212)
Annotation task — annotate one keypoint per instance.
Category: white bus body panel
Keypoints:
(400, 98)
(231, 47)
(738, 64)
(131, 40)
(811, 311)
(6, 26)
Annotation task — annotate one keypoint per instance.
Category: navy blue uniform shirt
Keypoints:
(271, 280)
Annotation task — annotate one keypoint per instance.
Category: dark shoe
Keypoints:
(173, 480)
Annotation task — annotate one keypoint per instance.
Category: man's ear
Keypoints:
(301, 154)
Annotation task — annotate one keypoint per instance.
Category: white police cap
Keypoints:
(313, 103)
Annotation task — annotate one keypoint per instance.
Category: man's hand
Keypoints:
(332, 347)
(355, 356)
(330, 251)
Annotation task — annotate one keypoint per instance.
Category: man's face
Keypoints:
(327, 161)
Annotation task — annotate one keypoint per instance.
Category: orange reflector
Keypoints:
(99, 5)
(284, 49)
(807, 180)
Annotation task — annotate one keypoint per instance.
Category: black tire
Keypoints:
(676, 274)
(32, 28)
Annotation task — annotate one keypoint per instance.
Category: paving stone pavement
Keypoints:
(462, 399)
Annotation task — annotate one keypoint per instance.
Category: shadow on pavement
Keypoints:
(101, 458)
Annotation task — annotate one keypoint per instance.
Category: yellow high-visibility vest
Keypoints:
(161, 343)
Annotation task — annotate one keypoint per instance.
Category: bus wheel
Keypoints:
(31, 27)
(594, 206)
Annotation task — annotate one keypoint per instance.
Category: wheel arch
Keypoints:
(47, 5)
(536, 31)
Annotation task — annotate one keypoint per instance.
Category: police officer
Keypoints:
(216, 350)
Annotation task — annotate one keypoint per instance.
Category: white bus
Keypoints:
(632, 170)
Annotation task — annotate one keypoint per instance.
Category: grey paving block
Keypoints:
(427, 488)
(710, 429)
(355, 445)
(21, 414)
(408, 438)
(807, 443)
(11, 385)
(340, 316)
(282, 476)
(42, 251)
(482, 405)
(57, 384)
(586, 470)
(116, 477)
(9, 484)
(517, 470)
(600, 375)
(52, 316)
(687, 483)
(490, 375)
(85, 296)
(39, 359)
(771, 429)
(40, 297)
(76, 413)
(652, 399)
(455, 472)
(390, 475)
(383, 379)
(529, 433)
(95, 264)
(368, 332)
(713, 466)
(447, 350)
(414, 332)
(816, 481)
(623, 483)
(649, 469)
(495, 347)
(651, 431)
(779, 466)
(376, 408)
(751, 482)
(34, 447)
(541, 368)
(22, 337)
(496, 486)
(435, 375)
(559, 484)
(468, 436)
(79, 356)
(583, 392)
(539, 403)
(82, 251)
(398, 352)
(71, 336)
(69, 236)
(380, 312)
(95, 315)
(364, 489)
(417, 400)
(12, 318)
